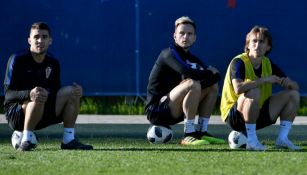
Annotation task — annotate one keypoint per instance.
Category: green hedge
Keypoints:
(133, 105)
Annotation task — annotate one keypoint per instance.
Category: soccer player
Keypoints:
(34, 98)
(181, 86)
(247, 102)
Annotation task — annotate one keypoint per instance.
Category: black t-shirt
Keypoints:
(23, 74)
(237, 70)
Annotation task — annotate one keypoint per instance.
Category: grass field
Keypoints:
(123, 149)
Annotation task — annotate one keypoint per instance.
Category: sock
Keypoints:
(203, 123)
(285, 127)
(27, 135)
(251, 132)
(68, 135)
(189, 126)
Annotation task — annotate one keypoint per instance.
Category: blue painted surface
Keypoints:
(109, 46)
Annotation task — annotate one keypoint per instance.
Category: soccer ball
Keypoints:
(237, 140)
(16, 139)
(159, 134)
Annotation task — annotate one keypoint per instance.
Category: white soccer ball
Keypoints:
(237, 140)
(159, 134)
(16, 139)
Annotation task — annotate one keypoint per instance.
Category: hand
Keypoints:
(213, 69)
(77, 90)
(39, 95)
(289, 84)
(272, 79)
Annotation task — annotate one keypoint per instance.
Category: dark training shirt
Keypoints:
(171, 67)
(23, 74)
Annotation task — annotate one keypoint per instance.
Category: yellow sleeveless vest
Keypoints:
(229, 97)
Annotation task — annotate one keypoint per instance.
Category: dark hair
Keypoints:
(264, 32)
(41, 26)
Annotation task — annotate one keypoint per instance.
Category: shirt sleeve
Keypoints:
(178, 65)
(14, 96)
(11, 82)
(237, 69)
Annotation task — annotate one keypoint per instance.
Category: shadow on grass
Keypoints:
(172, 150)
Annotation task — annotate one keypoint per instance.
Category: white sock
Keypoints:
(251, 133)
(68, 135)
(26, 135)
(189, 126)
(285, 127)
(203, 123)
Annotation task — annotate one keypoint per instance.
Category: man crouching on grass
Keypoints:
(34, 98)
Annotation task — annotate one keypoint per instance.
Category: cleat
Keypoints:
(286, 144)
(210, 138)
(26, 146)
(76, 145)
(189, 140)
(255, 146)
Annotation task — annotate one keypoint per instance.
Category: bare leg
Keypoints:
(248, 105)
(67, 106)
(285, 105)
(208, 100)
(206, 106)
(33, 114)
(184, 98)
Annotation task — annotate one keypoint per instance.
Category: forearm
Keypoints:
(248, 85)
(20, 96)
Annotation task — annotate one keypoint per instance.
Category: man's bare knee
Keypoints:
(253, 94)
(193, 85)
(214, 88)
(294, 96)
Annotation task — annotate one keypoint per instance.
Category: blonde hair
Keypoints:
(185, 20)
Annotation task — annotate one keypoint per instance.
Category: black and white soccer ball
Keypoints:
(237, 140)
(16, 139)
(159, 134)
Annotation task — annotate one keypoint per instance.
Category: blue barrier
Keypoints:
(109, 46)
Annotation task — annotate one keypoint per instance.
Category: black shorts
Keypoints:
(160, 114)
(16, 117)
(236, 122)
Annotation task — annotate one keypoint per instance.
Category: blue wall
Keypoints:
(109, 46)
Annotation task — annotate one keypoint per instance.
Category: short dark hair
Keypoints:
(41, 26)
(264, 32)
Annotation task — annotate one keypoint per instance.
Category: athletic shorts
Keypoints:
(160, 114)
(236, 122)
(16, 116)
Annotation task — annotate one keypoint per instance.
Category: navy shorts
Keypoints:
(160, 114)
(16, 116)
(236, 122)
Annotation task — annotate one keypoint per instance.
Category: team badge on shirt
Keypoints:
(48, 72)
(194, 65)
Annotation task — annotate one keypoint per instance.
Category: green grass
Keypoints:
(111, 105)
(123, 149)
(135, 106)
